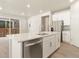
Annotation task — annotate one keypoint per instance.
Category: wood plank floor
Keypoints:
(66, 51)
(4, 51)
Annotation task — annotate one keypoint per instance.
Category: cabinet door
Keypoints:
(46, 47)
(66, 36)
(52, 44)
(57, 39)
(46, 51)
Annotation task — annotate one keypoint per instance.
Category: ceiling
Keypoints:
(19, 7)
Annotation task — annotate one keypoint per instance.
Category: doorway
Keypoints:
(45, 23)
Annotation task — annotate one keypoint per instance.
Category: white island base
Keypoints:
(49, 43)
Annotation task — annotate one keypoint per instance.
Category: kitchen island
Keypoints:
(50, 41)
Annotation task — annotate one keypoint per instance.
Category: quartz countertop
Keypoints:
(29, 36)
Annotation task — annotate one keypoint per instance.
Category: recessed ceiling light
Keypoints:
(72, 0)
(1, 8)
(28, 5)
(41, 11)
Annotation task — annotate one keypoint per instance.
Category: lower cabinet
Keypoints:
(52, 47)
(50, 44)
(46, 47)
(57, 41)
(66, 36)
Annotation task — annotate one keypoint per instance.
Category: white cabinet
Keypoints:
(57, 40)
(50, 44)
(46, 47)
(66, 36)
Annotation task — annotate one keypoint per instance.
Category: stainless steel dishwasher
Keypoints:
(32, 48)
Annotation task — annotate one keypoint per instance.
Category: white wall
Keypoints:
(75, 23)
(22, 19)
(62, 15)
(35, 22)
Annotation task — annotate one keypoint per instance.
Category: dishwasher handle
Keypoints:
(30, 44)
